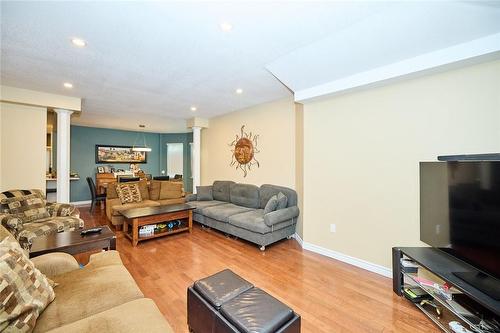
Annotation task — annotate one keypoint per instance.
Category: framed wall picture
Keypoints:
(118, 154)
(100, 169)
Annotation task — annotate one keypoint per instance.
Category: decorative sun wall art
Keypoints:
(243, 150)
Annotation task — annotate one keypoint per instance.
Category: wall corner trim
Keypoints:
(369, 266)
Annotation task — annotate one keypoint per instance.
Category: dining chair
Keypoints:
(161, 178)
(94, 195)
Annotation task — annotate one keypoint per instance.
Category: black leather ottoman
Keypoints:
(225, 302)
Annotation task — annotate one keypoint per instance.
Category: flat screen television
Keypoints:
(460, 214)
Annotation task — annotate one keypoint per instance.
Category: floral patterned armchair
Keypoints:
(27, 215)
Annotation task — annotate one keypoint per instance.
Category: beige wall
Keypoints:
(274, 123)
(22, 152)
(362, 151)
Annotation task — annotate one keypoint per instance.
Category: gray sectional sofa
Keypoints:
(238, 209)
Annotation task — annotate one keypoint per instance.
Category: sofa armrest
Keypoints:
(62, 209)
(109, 206)
(104, 258)
(56, 263)
(13, 222)
(191, 197)
(281, 215)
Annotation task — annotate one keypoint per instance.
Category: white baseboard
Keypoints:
(81, 203)
(369, 266)
(298, 239)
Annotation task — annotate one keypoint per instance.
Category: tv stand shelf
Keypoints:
(442, 266)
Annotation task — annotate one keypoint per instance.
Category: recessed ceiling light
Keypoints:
(193, 108)
(78, 42)
(239, 91)
(68, 85)
(225, 26)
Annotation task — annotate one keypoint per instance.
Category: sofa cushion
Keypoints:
(29, 207)
(245, 195)
(154, 189)
(144, 189)
(271, 205)
(204, 193)
(267, 191)
(220, 190)
(224, 211)
(253, 221)
(141, 315)
(201, 205)
(145, 203)
(171, 190)
(282, 201)
(47, 226)
(84, 292)
(128, 192)
(24, 290)
(171, 201)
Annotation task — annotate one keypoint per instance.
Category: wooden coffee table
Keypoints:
(138, 217)
(72, 242)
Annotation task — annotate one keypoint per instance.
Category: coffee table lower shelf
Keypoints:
(131, 225)
(159, 234)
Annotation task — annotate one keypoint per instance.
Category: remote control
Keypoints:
(457, 327)
(90, 231)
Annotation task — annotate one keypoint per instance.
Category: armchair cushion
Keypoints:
(61, 209)
(281, 215)
(54, 264)
(29, 207)
(11, 221)
(16, 193)
(47, 226)
(24, 292)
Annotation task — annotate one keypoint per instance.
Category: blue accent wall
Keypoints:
(84, 139)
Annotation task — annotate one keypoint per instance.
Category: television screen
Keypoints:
(460, 211)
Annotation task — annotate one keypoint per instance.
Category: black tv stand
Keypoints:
(442, 268)
(487, 284)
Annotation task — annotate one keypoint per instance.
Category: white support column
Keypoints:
(196, 172)
(63, 154)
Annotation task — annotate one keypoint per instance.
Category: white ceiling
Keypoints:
(401, 31)
(149, 62)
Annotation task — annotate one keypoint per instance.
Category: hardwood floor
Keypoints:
(331, 296)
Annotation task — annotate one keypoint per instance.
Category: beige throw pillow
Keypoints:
(24, 291)
(128, 192)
